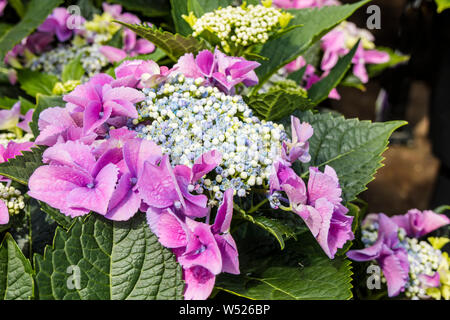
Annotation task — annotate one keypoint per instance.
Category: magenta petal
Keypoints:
(14, 149)
(228, 250)
(72, 154)
(144, 46)
(52, 184)
(323, 185)
(137, 151)
(367, 254)
(375, 56)
(205, 163)
(433, 281)
(124, 201)
(4, 213)
(224, 213)
(113, 54)
(96, 194)
(187, 66)
(157, 185)
(202, 249)
(199, 283)
(95, 115)
(124, 93)
(205, 62)
(169, 229)
(395, 273)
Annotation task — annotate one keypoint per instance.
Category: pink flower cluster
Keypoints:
(319, 203)
(392, 258)
(218, 69)
(300, 4)
(91, 167)
(131, 45)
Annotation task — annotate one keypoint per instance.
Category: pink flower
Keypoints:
(74, 181)
(12, 150)
(56, 23)
(393, 259)
(100, 102)
(162, 186)
(299, 147)
(419, 223)
(126, 200)
(139, 74)
(203, 251)
(25, 123)
(363, 57)
(319, 205)
(221, 70)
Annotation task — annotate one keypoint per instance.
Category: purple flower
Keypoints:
(319, 204)
(392, 258)
(419, 223)
(74, 181)
(363, 57)
(298, 148)
(202, 250)
(56, 23)
(219, 69)
(99, 102)
(162, 186)
(126, 200)
(139, 74)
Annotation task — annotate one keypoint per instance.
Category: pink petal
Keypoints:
(113, 54)
(205, 163)
(169, 229)
(224, 213)
(124, 201)
(72, 154)
(4, 213)
(137, 151)
(199, 283)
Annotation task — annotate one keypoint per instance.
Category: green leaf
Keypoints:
(61, 219)
(73, 70)
(174, 45)
(180, 8)
(42, 227)
(352, 147)
(18, 7)
(36, 82)
(87, 9)
(149, 8)
(207, 5)
(44, 102)
(16, 274)
(37, 12)
(25, 105)
(156, 55)
(442, 5)
(320, 90)
(22, 167)
(316, 23)
(116, 260)
(277, 104)
(300, 272)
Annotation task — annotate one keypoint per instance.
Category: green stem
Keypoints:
(255, 208)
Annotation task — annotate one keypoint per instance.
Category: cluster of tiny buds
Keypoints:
(13, 198)
(243, 25)
(187, 119)
(53, 61)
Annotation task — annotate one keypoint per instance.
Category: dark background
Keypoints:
(412, 176)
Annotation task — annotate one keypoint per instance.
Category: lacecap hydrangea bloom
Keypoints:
(179, 148)
(241, 26)
(409, 265)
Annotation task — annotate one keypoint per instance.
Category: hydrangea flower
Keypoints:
(3, 4)
(203, 250)
(218, 68)
(409, 265)
(10, 118)
(319, 204)
(56, 23)
(298, 148)
(140, 74)
(74, 180)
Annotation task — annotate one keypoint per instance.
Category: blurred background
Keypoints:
(415, 172)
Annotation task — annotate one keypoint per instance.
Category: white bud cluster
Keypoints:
(13, 198)
(242, 26)
(187, 119)
(53, 61)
